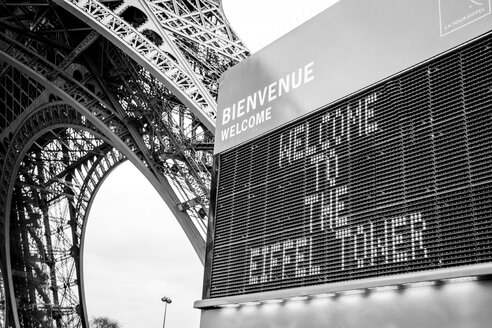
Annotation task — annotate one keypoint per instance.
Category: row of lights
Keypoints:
(352, 292)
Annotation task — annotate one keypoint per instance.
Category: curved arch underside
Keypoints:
(85, 85)
(54, 182)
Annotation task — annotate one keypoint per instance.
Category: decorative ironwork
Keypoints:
(86, 85)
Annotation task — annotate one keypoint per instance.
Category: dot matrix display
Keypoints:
(396, 179)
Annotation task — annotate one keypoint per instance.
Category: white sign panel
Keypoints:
(348, 47)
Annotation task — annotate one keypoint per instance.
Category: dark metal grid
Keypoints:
(430, 155)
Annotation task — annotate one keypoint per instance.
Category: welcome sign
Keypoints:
(297, 74)
(254, 108)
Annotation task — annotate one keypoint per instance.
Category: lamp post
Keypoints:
(166, 301)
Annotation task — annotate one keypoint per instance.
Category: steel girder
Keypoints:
(121, 130)
(56, 161)
(179, 59)
(75, 89)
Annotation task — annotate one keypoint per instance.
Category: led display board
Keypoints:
(396, 179)
(366, 179)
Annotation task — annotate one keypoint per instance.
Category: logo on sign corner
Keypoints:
(455, 14)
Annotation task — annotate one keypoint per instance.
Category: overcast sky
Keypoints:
(135, 251)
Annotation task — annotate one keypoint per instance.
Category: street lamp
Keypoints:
(166, 301)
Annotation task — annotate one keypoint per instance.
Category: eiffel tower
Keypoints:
(86, 85)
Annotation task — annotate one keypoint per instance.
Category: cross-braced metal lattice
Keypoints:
(85, 85)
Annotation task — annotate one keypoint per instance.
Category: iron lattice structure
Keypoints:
(86, 85)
